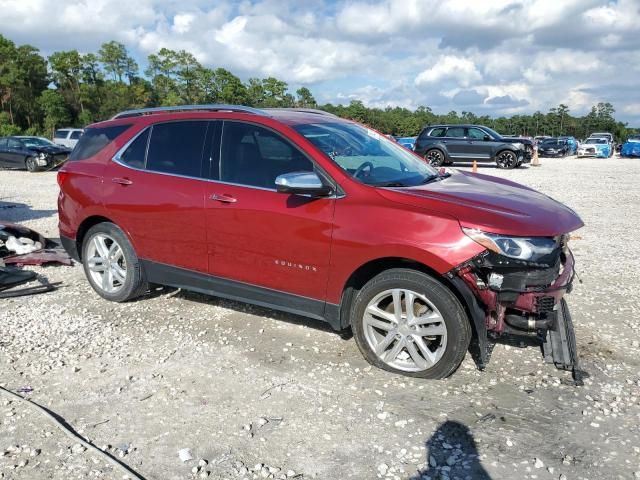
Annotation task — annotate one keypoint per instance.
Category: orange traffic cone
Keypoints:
(475, 167)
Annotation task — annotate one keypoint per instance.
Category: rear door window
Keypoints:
(61, 134)
(456, 132)
(75, 135)
(95, 139)
(177, 147)
(134, 156)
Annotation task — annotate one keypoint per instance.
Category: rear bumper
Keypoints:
(71, 247)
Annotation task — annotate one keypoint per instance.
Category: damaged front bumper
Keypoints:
(509, 298)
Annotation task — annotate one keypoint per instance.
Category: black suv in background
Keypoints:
(553, 147)
(444, 144)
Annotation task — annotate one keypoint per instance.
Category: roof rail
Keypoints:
(304, 110)
(188, 108)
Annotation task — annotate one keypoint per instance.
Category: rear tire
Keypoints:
(435, 157)
(111, 264)
(428, 340)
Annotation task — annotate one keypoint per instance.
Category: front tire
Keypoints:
(406, 322)
(31, 164)
(506, 159)
(111, 264)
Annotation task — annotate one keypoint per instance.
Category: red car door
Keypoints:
(259, 236)
(158, 198)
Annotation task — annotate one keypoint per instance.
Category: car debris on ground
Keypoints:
(20, 246)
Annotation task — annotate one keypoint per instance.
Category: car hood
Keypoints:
(524, 141)
(50, 149)
(490, 204)
(597, 146)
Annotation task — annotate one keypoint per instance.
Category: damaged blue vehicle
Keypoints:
(631, 148)
(595, 147)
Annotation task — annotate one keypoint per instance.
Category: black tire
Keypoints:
(458, 329)
(435, 157)
(135, 283)
(506, 159)
(31, 164)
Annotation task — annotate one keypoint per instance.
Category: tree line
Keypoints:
(38, 95)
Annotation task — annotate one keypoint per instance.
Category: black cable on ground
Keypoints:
(59, 422)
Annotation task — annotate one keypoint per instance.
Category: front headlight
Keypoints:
(42, 155)
(522, 248)
(519, 145)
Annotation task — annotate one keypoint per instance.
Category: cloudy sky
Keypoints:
(486, 56)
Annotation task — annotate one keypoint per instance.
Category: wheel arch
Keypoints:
(439, 147)
(84, 227)
(370, 269)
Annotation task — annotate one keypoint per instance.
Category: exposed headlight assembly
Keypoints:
(522, 248)
(42, 155)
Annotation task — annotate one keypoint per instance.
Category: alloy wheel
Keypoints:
(106, 263)
(435, 158)
(507, 159)
(405, 330)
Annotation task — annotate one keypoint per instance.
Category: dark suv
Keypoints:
(308, 213)
(445, 144)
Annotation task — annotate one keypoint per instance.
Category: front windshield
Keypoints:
(366, 155)
(595, 141)
(36, 142)
(552, 142)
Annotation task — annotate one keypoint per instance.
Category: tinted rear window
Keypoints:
(75, 135)
(95, 139)
(134, 156)
(61, 134)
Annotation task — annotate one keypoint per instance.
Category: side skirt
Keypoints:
(233, 290)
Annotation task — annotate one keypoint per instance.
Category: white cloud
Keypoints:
(447, 67)
(385, 52)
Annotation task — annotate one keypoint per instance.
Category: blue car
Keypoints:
(572, 143)
(631, 148)
(407, 142)
(595, 147)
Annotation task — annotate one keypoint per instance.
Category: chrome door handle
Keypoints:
(122, 181)
(223, 198)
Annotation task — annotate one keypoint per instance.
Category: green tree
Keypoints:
(116, 61)
(305, 98)
(55, 110)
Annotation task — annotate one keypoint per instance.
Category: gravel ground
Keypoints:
(259, 394)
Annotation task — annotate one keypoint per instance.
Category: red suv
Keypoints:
(302, 211)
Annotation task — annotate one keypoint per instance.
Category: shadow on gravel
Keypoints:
(20, 212)
(248, 309)
(449, 450)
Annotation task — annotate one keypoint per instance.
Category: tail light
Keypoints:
(62, 176)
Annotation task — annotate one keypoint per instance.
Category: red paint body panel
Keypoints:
(265, 238)
(162, 214)
(172, 220)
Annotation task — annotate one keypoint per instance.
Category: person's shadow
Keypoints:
(452, 453)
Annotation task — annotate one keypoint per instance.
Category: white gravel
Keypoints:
(254, 393)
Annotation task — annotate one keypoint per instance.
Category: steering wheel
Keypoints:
(361, 168)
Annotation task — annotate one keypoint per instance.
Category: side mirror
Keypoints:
(486, 138)
(302, 183)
